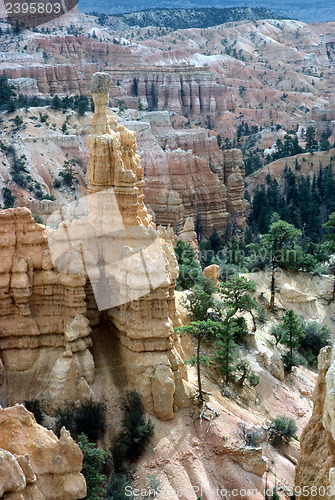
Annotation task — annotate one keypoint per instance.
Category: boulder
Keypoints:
(277, 366)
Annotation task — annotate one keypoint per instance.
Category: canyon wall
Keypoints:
(187, 175)
(179, 88)
(316, 466)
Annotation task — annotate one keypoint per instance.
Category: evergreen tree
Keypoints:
(56, 102)
(201, 330)
(135, 87)
(275, 495)
(214, 241)
(324, 143)
(135, 434)
(6, 92)
(280, 242)
(330, 230)
(93, 460)
(189, 267)
(235, 298)
(200, 300)
(8, 197)
(311, 142)
(225, 354)
(234, 252)
(260, 210)
(293, 332)
(82, 105)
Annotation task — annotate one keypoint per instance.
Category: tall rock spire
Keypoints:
(138, 264)
(113, 161)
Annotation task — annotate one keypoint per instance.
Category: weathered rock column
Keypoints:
(144, 321)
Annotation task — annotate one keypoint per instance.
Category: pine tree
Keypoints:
(260, 210)
(93, 459)
(56, 102)
(226, 347)
(6, 91)
(330, 236)
(311, 142)
(330, 229)
(292, 333)
(215, 241)
(235, 297)
(324, 143)
(200, 330)
(281, 244)
(189, 267)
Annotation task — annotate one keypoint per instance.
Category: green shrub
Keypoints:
(88, 419)
(93, 460)
(316, 337)
(292, 360)
(65, 418)
(252, 436)
(281, 429)
(261, 314)
(43, 117)
(38, 219)
(277, 332)
(20, 179)
(57, 183)
(34, 405)
(154, 482)
(253, 379)
(135, 434)
(68, 174)
(116, 488)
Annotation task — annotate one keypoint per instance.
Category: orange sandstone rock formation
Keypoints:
(38, 305)
(150, 350)
(316, 466)
(34, 463)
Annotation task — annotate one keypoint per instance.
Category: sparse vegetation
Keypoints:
(281, 429)
(194, 18)
(68, 173)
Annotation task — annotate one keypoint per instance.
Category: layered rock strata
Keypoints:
(150, 349)
(182, 170)
(37, 307)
